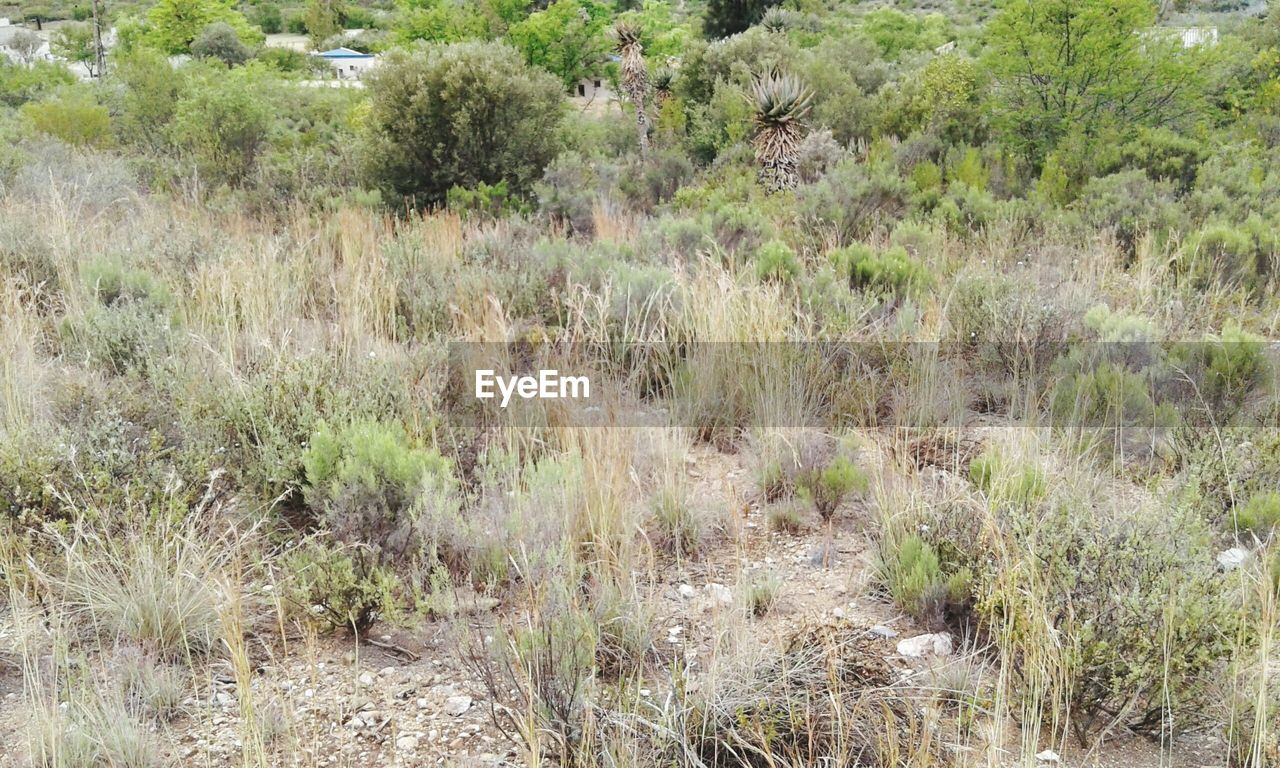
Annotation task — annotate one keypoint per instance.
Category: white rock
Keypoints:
(837, 612)
(366, 679)
(1048, 756)
(938, 644)
(1231, 559)
(687, 591)
(406, 743)
(881, 630)
(457, 705)
(719, 594)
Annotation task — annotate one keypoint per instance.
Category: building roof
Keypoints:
(344, 53)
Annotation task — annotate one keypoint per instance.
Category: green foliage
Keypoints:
(828, 486)
(889, 270)
(1129, 205)
(897, 32)
(762, 592)
(912, 572)
(566, 38)
(1233, 365)
(75, 42)
(459, 115)
(343, 590)
(1019, 484)
(21, 84)
(775, 261)
(492, 200)
(175, 24)
(1261, 514)
(1086, 67)
(73, 117)
(219, 41)
(148, 99)
(723, 18)
(323, 20)
(1241, 256)
(222, 121)
(268, 18)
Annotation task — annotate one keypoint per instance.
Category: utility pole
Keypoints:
(100, 52)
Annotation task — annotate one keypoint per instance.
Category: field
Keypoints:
(932, 420)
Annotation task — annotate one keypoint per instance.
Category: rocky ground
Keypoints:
(409, 699)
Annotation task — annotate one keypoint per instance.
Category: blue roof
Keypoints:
(344, 53)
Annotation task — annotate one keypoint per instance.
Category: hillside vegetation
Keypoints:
(934, 356)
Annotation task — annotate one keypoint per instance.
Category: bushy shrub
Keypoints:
(458, 115)
(889, 270)
(1261, 514)
(1020, 484)
(342, 586)
(965, 209)
(73, 117)
(1229, 255)
(1129, 205)
(913, 574)
(1133, 599)
(775, 261)
(853, 199)
(1234, 365)
(828, 486)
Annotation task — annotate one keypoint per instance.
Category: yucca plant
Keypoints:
(781, 103)
(635, 76)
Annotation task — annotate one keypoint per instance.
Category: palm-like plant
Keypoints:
(635, 76)
(781, 103)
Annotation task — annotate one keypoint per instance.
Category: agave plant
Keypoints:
(781, 103)
(635, 76)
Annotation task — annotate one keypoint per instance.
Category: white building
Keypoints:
(348, 64)
(593, 89)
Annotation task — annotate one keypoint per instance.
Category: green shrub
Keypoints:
(1129, 205)
(73, 117)
(678, 527)
(342, 586)
(1261, 514)
(967, 210)
(786, 517)
(458, 115)
(1235, 365)
(828, 486)
(890, 270)
(1234, 256)
(762, 592)
(775, 261)
(912, 572)
(1024, 484)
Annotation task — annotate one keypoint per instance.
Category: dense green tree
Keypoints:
(268, 18)
(729, 17)
(20, 84)
(567, 38)
(324, 20)
(459, 115)
(219, 41)
(1087, 67)
(175, 24)
(222, 121)
(148, 99)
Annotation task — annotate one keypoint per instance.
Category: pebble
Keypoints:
(457, 705)
(366, 679)
(881, 630)
(687, 591)
(938, 644)
(407, 743)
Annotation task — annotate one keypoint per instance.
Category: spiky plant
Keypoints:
(635, 76)
(781, 104)
(663, 80)
(776, 19)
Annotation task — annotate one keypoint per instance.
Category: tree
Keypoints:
(219, 41)
(1085, 67)
(729, 17)
(781, 103)
(222, 122)
(26, 45)
(175, 24)
(566, 39)
(635, 77)
(459, 115)
(323, 19)
(148, 98)
(74, 41)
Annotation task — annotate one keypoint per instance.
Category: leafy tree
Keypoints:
(269, 19)
(175, 24)
(148, 98)
(219, 41)
(1089, 67)
(459, 115)
(222, 122)
(74, 42)
(443, 21)
(729, 17)
(566, 39)
(324, 20)
(19, 84)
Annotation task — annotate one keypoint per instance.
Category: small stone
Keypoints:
(387, 671)
(938, 644)
(1048, 756)
(687, 591)
(366, 679)
(457, 705)
(719, 594)
(406, 743)
(837, 612)
(881, 630)
(1231, 559)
